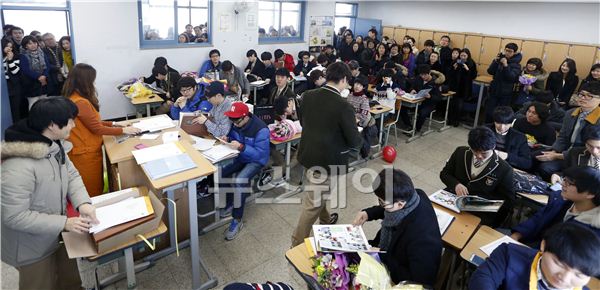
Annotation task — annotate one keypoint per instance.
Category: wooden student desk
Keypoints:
(463, 226)
(486, 235)
(411, 103)
(148, 101)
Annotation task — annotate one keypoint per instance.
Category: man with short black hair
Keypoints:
(425, 80)
(511, 145)
(329, 53)
(569, 257)
(445, 52)
(217, 124)
(505, 70)
(237, 83)
(409, 234)
(283, 59)
(575, 120)
(329, 132)
(37, 180)
(423, 56)
(304, 64)
(588, 155)
(281, 87)
(211, 65)
(372, 34)
(478, 170)
(190, 99)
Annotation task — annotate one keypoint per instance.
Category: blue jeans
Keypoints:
(238, 185)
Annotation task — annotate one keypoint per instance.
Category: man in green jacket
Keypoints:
(37, 179)
(329, 132)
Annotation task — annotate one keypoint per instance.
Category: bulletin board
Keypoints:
(321, 31)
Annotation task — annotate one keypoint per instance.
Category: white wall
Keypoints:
(572, 22)
(106, 37)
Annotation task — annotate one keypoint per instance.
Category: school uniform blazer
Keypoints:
(494, 182)
(508, 268)
(329, 129)
(416, 248)
(553, 213)
(519, 154)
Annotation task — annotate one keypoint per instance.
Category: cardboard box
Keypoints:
(82, 245)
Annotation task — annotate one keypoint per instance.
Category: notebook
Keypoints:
(157, 152)
(164, 167)
(219, 152)
(153, 124)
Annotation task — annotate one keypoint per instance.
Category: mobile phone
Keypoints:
(476, 260)
(140, 146)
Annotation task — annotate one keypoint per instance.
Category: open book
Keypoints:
(465, 203)
(344, 238)
(421, 94)
(219, 152)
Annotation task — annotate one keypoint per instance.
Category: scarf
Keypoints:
(393, 219)
(37, 61)
(68, 59)
(358, 94)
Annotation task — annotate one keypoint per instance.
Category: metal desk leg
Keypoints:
(446, 127)
(255, 97)
(381, 128)
(414, 128)
(291, 189)
(217, 196)
(130, 268)
(478, 109)
(172, 243)
(147, 110)
(197, 262)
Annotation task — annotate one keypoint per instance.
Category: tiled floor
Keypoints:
(258, 253)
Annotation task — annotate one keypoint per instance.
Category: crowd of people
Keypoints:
(35, 66)
(541, 138)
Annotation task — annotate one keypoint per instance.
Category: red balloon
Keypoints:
(389, 154)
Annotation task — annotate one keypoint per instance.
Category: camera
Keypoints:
(501, 55)
(459, 61)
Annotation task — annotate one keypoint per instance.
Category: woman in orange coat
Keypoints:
(86, 137)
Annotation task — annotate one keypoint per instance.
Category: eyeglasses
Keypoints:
(567, 182)
(185, 90)
(384, 204)
(236, 121)
(587, 95)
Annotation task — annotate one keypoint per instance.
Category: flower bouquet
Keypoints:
(334, 271)
(527, 80)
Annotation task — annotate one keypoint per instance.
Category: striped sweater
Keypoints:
(11, 67)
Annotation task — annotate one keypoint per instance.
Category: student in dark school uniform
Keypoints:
(304, 64)
(569, 257)
(255, 66)
(578, 202)
(477, 170)
(588, 155)
(511, 145)
(424, 80)
(409, 231)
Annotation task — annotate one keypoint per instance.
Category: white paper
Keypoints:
(258, 83)
(149, 136)
(556, 187)
(219, 152)
(156, 152)
(104, 197)
(444, 220)
(489, 248)
(170, 136)
(202, 144)
(153, 124)
(119, 213)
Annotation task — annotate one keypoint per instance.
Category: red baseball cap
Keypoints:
(238, 110)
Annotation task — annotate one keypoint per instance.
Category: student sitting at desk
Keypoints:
(190, 99)
(255, 67)
(387, 90)
(477, 170)
(360, 102)
(322, 63)
(284, 60)
(578, 202)
(237, 83)
(167, 81)
(328, 52)
(304, 64)
(316, 79)
(511, 145)
(575, 120)
(569, 256)
(426, 80)
(37, 179)
(409, 232)
(588, 155)
(556, 113)
(86, 137)
(281, 88)
(216, 122)
(212, 65)
(250, 136)
(159, 61)
(535, 126)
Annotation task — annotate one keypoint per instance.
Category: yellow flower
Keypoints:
(320, 270)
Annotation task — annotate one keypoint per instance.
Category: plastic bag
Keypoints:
(138, 90)
(529, 183)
